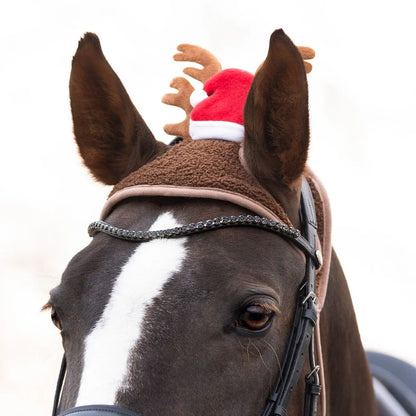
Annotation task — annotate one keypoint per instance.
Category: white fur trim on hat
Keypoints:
(197, 96)
(225, 130)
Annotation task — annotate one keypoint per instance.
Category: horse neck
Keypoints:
(349, 389)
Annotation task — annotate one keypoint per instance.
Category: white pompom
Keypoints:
(197, 96)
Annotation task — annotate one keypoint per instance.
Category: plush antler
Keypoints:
(192, 53)
(306, 53)
(181, 100)
(210, 64)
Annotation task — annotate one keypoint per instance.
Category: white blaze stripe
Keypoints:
(108, 346)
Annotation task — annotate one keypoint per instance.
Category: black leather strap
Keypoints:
(301, 335)
(312, 386)
(59, 385)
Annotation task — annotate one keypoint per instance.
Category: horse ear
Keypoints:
(276, 117)
(111, 135)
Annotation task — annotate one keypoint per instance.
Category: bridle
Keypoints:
(301, 338)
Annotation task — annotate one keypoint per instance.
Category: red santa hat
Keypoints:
(218, 108)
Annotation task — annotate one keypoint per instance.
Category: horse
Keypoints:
(185, 300)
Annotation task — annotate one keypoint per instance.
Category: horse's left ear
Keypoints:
(111, 135)
(276, 117)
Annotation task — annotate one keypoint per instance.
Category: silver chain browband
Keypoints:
(284, 230)
(184, 230)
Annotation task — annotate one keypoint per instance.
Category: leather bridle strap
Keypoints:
(290, 233)
(59, 385)
(301, 335)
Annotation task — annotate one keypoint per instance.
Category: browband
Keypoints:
(290, 233)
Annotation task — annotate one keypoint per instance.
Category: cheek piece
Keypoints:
(301, 338)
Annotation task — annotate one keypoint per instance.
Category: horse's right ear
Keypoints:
(111, 135)
(276, 117)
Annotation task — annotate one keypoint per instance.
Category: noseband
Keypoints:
(301, 338)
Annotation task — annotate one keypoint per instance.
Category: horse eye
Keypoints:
(255, 317)
(55, 319)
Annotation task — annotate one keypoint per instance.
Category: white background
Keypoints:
(362, 91)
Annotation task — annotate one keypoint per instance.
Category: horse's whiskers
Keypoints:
(275, 353)
(262, 359)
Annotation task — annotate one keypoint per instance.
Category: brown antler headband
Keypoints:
(210, 67)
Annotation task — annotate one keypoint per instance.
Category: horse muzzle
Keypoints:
(99, 410)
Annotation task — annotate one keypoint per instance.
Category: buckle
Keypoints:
(314, 371)
(310, 295)
(319, 258)
(313, 388)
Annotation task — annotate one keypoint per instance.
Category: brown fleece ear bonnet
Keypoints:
(212, 169)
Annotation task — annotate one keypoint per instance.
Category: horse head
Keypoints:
(197, 324)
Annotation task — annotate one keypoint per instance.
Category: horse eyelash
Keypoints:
(46, 306)
(268, 307)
